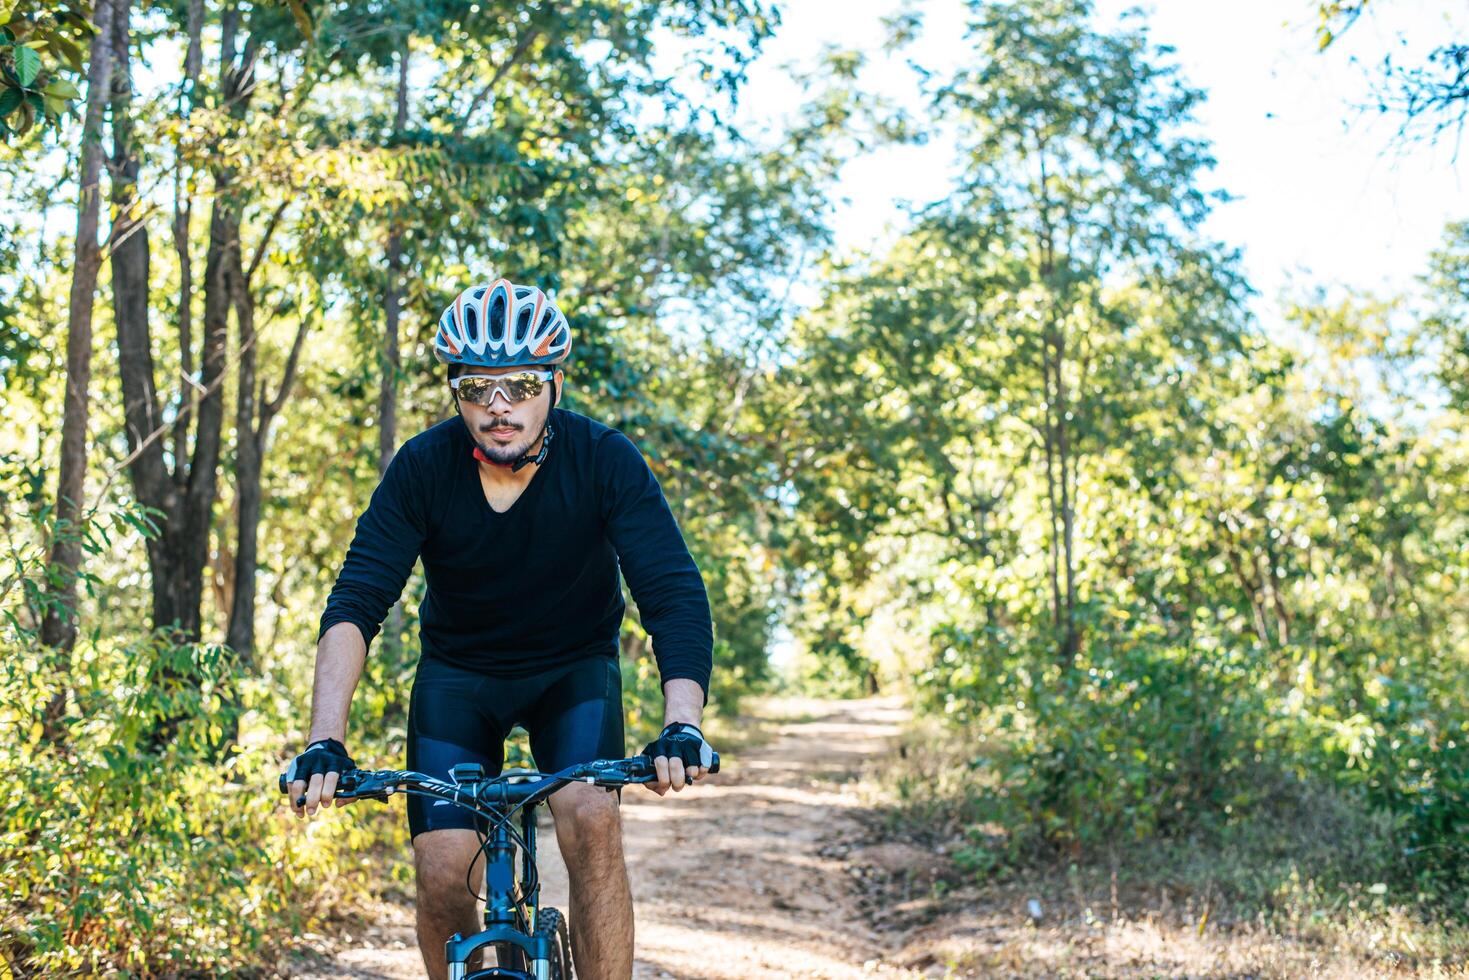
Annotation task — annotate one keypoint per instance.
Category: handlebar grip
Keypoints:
(346, 782)
(644, 765)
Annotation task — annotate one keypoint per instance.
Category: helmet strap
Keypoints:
(527, 459)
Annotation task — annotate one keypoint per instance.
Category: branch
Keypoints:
(270, 408)
(265, 237)
(520, 48)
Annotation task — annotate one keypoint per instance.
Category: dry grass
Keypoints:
(1274, 898)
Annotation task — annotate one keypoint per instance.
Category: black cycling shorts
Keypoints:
(572, 713)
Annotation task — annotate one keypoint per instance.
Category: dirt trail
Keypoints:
(734, 879)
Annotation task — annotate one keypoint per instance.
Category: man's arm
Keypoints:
(661, 574)
(340, 654)
(339, 659)
(390, 533)
(389, 536)
(672, 602)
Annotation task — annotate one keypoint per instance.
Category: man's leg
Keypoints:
(445, 906)
(589, 830)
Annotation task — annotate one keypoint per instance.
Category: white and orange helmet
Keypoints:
(501, 324)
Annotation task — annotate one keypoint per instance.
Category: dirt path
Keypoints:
(735, 879)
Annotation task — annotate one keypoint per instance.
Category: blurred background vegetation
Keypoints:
(1153, 577)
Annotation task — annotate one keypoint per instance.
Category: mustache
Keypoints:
(499, 424)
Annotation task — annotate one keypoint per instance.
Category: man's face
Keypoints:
(505, 430)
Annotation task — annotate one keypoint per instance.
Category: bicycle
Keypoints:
(530, 943)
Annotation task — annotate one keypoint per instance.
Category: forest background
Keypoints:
(1158, 577)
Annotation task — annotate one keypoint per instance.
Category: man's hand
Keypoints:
(313, 776)
(680, 756)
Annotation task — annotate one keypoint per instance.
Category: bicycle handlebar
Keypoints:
(497, 791)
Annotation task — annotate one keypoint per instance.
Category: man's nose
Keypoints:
(498, 393)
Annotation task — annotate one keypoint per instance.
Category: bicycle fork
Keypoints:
(501, 902)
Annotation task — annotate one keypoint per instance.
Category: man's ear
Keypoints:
(558, 388)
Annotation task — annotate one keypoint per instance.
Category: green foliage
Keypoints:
(38, 44)
(123, 852)
(1446, 328)
(1169, 582)
(1169, 578)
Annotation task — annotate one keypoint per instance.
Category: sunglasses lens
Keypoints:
(518, 387)
(522, 386)
(476, 391)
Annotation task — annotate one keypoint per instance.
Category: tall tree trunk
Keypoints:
(152, 484)
(1067, 459)
(1053, 505)
(241, 634)
(59, 628)
(183, 213)
(254, 415)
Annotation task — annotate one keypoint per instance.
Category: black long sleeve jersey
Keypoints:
(535, 587)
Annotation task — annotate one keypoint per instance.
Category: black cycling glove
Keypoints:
(683, 742)
(327, 755)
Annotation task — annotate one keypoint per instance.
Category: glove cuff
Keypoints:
(679, 727)
(330, 743)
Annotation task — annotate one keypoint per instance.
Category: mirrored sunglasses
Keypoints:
(480, 389)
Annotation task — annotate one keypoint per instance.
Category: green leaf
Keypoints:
(62, 89)
(10, 99)
(27, 65)
(72, 52)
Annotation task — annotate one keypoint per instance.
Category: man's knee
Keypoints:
(441, 861)
(588, 818)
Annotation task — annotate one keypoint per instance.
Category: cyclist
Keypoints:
(522, 514)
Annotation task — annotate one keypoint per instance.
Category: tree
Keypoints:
(182, 494)
(1002, 343)
(58, 628)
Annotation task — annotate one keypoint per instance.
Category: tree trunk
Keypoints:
(1067, 459)
(152, 484)
(59, 627)
(1053, 504)
(248, 451)
(183, 213)
(254, 415)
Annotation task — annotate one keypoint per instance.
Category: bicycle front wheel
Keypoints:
(551, 924)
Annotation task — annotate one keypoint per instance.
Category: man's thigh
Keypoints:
(577, 717)
(452, 719)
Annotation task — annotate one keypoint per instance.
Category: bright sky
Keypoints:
(1326, 195)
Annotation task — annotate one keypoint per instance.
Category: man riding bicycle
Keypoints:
(522, 514)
